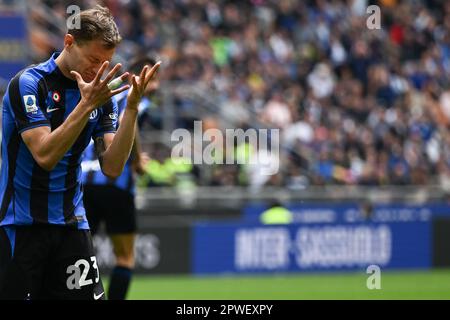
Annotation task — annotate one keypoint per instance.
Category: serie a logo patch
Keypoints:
(30, 103)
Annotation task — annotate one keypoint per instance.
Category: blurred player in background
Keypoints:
(51, 111)
(112, 200)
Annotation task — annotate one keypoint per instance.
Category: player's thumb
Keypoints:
(77, 76)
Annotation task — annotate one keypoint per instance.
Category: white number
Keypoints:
(94, 265)
(83, 281)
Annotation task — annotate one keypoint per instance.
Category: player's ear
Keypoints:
(69, 40)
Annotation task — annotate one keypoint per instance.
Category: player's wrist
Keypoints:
(132, 114)
(132, 108)
(132, 103)
(86, 107)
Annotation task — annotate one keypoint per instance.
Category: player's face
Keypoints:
(87, 58)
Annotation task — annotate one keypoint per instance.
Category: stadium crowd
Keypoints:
(354, 105)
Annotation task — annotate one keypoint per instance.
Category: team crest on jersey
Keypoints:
(113, 116)
(93, 115)
(30, 103)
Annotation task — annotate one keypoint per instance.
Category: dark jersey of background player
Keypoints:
(91, 170)
(42, 96)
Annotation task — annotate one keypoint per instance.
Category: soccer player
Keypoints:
(50, 113)
(112, 200)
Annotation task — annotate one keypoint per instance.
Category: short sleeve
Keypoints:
(24, 103)
(107, 123)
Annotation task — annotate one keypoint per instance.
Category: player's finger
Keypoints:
(134, 82)
(119, 90)
(117, 82)
(142, 75)
(112, 73)
(149, 76)
(99, 74)
(125, 76)
(77, 76)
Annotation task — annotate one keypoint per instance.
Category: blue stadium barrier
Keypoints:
(256, 248)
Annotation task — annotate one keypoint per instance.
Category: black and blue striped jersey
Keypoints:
(92, 174)
(41, 95)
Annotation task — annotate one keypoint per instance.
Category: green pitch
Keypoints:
(394, 285)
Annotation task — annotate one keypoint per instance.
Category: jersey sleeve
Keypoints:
(24, 103)
(108, 120)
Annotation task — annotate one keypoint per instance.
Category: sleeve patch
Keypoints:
(30, 104)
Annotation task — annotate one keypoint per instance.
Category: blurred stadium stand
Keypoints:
(355, 106)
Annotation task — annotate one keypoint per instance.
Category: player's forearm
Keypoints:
(55, 145)
(137, 148)
(118, 152)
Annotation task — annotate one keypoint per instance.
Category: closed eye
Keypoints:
(94, 60)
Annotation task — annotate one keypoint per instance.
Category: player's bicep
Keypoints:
(33, 140)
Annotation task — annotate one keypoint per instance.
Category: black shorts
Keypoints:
(48, 262)
(112, 205)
